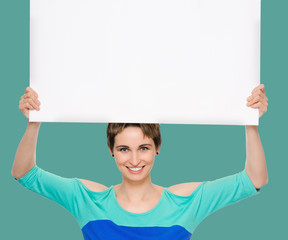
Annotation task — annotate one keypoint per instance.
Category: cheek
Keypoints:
(120, 166)
(150, 159)
(121, 160)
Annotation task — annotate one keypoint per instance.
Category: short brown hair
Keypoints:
(149, 130)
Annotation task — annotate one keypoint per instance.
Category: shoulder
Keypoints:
(184, 189)
(93, 186)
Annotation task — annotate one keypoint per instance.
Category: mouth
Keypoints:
(135, 170)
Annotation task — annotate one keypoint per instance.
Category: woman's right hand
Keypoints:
(29, 101)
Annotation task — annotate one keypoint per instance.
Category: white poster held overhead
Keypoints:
(145, 61)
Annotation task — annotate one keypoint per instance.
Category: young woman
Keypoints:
(137, 208)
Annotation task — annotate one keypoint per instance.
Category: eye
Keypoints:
(122, 149)
(145, 147)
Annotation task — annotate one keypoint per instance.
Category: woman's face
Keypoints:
(133, 150)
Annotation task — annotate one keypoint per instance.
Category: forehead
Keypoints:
(131, 134)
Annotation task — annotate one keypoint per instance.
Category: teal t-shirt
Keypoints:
(100, 216)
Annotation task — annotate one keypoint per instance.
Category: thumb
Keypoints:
(26, 113)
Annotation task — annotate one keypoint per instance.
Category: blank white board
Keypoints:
(145, 61)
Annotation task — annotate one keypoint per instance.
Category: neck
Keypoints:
(135, 191)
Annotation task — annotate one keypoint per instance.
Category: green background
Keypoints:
(207, 152)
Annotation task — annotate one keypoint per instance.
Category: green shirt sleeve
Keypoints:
(59, 189)
(223, 192)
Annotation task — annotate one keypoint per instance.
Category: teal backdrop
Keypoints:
(189, 152)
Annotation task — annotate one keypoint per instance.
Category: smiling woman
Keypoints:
(134, 147)
(137, 208)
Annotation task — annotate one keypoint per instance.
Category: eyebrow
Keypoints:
(128, 146)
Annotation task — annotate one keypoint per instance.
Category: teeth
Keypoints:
(135, 169)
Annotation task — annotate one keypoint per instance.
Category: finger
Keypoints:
(24, 110)
(25, 106)
(262, 111)
(260, 87)
(29, 89)
(255, 100)
(29, 102)
(23, 101)
(265, 102)
(256, 105)
(262, 107)
(30, 95)
(257, 93)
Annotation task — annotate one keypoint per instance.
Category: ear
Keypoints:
(158, 149)
(110, 151)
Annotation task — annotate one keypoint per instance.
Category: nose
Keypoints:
(134, 159)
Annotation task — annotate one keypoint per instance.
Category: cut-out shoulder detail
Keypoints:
(93, 186)
(184, 189)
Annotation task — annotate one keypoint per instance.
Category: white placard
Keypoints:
(146, 61)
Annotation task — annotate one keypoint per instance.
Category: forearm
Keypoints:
(25, 157)
(255, 165)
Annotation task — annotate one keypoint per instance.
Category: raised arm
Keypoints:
(255, 165)
(25, 170)
(25, 157)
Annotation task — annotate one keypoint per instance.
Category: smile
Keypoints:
(135, 170)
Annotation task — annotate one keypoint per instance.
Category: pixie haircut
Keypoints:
(149, 130)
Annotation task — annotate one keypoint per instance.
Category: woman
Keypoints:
(137, 208)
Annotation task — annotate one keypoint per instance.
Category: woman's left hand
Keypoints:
(258, 99)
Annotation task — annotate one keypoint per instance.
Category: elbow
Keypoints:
(260, 184)
(13, 175)
(258, 180)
